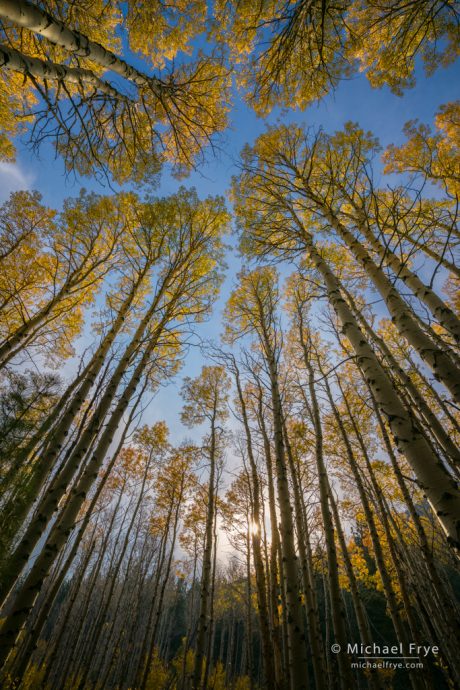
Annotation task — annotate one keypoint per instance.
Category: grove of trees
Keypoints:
(306, 511)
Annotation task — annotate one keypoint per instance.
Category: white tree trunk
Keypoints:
(29, 16)
(439, 309)
(432, 422)
(440, 489)
(438, 360)
(12, 59)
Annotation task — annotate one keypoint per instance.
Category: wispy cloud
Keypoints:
(13, 178)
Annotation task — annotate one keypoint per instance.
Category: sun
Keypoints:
(254, 527)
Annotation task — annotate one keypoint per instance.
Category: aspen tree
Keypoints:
(385, 517)
(370, 521)
(418, 400)
(255, 531)
(181, 289)
(52, 658)
(142, 466)
(173, 485)
(272, 562)
(251, 309)
(206, 401)
(360, 611)
(59, 422)
(163, 558)
(75, 253)
(290, 235)
(382, 512)
(195, 287)
(296, 54)
(300, 163)
(337, 607)
(96, 569)
(308, 579)
(32, 635)
(432, 155)
(122, 131)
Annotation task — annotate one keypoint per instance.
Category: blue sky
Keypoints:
(377, 110)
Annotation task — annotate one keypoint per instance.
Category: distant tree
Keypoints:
(253, 309)
(205, 400)
(183, 290)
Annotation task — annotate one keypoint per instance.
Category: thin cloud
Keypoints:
(13, 178)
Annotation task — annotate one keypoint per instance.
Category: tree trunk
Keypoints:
(378, 552)
(53, 444)
(13, 59)
(297, 644)
(267, 652)
(34, 633)
(439, 309)
(431, 420)
(438, 360)
(360, 611)
(58, 486)
(28, 592)
(337, 607)
(29, 16)
(274, 546)
(203, 623)
(159, 603)
(441, 490)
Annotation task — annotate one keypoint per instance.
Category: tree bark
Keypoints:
(431, 420)
(267, 653)
(13, 59)
(297, 644)
(337, 607)
(58, 486)
(54, 442)
(439, 309)
(441, 490)
(438, 360)
(29, 16)
(203, 623)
